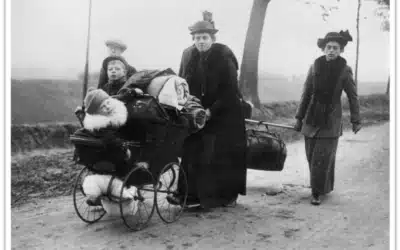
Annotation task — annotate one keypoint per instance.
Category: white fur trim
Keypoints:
(97, 121)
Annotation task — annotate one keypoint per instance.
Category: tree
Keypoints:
(358, 42)
(326, 9)
(248, 80)
(383, 12)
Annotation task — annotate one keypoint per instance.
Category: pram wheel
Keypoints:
(167, 186)
(87, 213)
(138, 214)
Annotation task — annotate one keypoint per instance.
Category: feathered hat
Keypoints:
(206, 25)
(342, 37)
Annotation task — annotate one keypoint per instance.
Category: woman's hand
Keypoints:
(298, 125)
(356, 127)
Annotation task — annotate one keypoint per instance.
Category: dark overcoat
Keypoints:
(321, 111)
(344, 83)
(215, 157)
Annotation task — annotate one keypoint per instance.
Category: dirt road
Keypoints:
(354, 216)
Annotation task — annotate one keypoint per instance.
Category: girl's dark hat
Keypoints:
(202, 26)
(342, 37)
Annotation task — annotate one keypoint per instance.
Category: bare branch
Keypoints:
(326, 9)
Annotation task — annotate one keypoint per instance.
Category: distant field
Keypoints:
(45, 101)
(281, 89)
(49, 101)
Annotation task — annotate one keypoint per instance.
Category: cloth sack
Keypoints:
(170, 90)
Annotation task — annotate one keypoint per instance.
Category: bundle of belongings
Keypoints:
(109, 120)
(168, 89)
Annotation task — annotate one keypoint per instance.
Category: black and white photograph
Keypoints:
(199, 124)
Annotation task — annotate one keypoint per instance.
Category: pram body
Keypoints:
(153, 134)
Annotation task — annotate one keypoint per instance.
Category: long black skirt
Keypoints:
(215, 167)
(321, 157)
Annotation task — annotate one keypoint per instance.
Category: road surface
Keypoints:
(354, 216)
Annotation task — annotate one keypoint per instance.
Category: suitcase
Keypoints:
(265, 150)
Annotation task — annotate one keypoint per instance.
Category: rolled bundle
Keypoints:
(96, 185)
(157, 84)
(112, 208)
(195, 113)
(170, 90)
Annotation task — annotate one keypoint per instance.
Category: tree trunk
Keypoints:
(358, 42)
(388, 87)
(248, 81)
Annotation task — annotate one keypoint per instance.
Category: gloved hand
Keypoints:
(298, 125)
(79, 109)
(356, 127)
(80, 113)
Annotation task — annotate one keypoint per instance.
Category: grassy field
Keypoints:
(49, 101)
(45, 101)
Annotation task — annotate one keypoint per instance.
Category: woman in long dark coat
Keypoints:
(320, 110)
(214, 158)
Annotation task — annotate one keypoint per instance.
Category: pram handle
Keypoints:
(269, 124)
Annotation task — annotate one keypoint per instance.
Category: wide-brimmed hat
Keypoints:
(117, 43)
(342, 37)
(94, 99)
(202, 26)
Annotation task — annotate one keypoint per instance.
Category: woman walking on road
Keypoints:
(319, 115)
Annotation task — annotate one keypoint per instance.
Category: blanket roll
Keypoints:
(112, 208)
(96, 185)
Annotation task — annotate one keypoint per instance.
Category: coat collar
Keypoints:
(216, 53)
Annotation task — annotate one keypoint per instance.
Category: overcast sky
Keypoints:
(51, 34)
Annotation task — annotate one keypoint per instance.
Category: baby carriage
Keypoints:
(140, 160)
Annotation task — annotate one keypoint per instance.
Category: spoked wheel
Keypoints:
(137, 198)
(167, 188)
(87, 213)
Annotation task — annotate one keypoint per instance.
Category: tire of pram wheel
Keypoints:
(87, 213)
(138, 214)
(167, 188)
